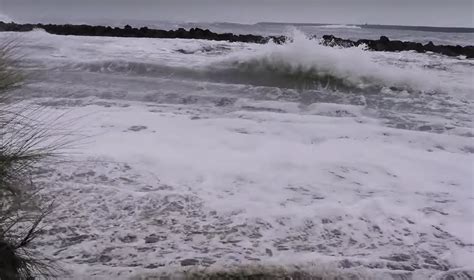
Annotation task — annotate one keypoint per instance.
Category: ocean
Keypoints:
(237, 154)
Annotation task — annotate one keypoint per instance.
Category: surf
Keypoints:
(305, 61)
(301, 63)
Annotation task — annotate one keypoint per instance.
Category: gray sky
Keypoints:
(400, 12)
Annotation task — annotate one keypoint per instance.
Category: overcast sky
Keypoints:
(399, 12)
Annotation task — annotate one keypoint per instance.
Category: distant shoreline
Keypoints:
(381, 26)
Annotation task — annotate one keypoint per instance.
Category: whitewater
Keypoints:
(217, 155)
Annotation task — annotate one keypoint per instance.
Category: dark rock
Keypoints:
(129, 31)
(385, 44)
(429, 45)
(418, 47)
(384, 39)
(396, 46)
(330, 40)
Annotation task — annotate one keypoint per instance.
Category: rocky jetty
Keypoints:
(143, 32)
(383, 44)
(387, 45)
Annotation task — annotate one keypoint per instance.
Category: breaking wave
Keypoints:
(301, 64)
(304, 62)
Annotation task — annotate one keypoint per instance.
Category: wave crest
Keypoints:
(306, 62)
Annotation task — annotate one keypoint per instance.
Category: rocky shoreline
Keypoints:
(387, 45)
(382, 44)
(143, 32)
